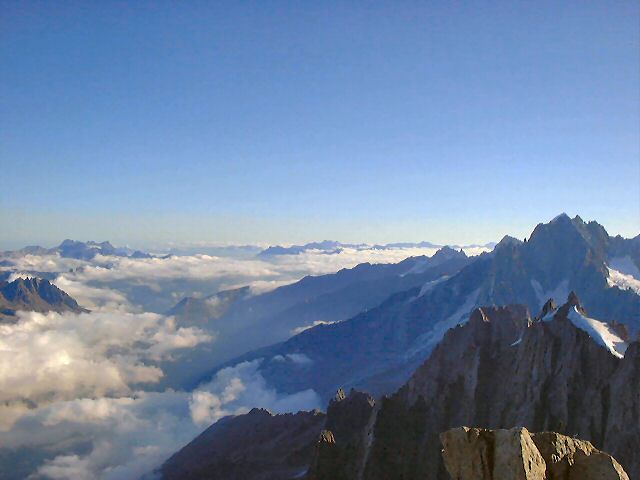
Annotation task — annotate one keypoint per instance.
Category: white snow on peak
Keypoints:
(600, 332)
(559, 294)
(420, 266)
(432, 337)
(623, 281)
(624, 274)
(625, 265)
(429, 285)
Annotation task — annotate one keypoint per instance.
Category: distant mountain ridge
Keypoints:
(36, 295)
(78, 250)
(334, 247)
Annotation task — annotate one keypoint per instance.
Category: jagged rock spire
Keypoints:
(549, 306)
(573, 299)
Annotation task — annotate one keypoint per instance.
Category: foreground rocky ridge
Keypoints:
(480, 454)
(501, 370)
(257, 446)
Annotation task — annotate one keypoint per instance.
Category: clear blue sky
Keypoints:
(147, 122)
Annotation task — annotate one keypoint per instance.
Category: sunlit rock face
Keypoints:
(517, 454)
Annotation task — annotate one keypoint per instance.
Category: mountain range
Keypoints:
(333, 247)
(78, 250)
(378, 349)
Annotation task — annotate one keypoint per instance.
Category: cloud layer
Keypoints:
(75, 389)
(128, 436)
(51, 357)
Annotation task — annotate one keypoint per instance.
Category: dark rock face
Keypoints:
(255, 446)
(36, 295)
(346, 434)
(501, 370)
(516, 454)
(622, 432)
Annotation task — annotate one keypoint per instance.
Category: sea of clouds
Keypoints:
(76, 389)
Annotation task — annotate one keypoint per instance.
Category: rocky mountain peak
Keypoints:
(573, 299)
(592, 235)
(447, 253)
(508, 242)
(498, 326)
(549, 307)
(34, 294)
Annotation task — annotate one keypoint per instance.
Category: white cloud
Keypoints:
(299, 358)
(296, 358)
(45, 263)
(63, 356)
(239, 388)
(93, 297)
(132, 435)
(72, 380)
(110, 283)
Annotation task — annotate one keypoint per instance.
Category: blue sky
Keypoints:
(150, 122)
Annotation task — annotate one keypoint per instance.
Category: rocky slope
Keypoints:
(255, 446)
(36, 295)
(515, 454)
(502, 370)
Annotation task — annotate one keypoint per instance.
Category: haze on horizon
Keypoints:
(152, 123)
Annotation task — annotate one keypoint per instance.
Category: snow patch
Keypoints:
(429, 285)
(302, 328)
(623, 281)
(600, 332)
(432, 337)
(420, 267)
(626, 266)
(559, 294)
